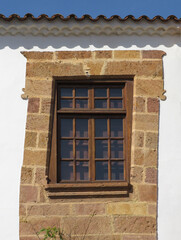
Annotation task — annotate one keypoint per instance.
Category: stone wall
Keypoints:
(124, 218)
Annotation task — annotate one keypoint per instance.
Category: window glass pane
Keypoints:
(66, 92)
(100, 92)
(66, 127)
(66, 170)
(66, 149)
(116, 149)
(116, 127)
(117, 170)
(82, 149)
(66, 103)
(101, 128)
(100, 103)
(81, 92)
(82, 170)
(116, 103)
(81, 127)
(101, 170)
(115, 92)
(101, 148)
(81, 103)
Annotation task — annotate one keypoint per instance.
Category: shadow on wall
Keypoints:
(86, 42)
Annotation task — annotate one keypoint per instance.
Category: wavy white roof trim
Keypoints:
(57, 28)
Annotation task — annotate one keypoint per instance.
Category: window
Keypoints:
(91, 133)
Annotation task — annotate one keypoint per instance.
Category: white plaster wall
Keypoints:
(13, 118)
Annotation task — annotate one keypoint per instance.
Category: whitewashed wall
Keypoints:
(13, 118)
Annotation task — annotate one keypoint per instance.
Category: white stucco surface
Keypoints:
(13, 112)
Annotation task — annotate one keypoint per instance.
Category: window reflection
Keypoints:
(66, 127)
(82, 149)
(117, 170)
(101, 149)
(82, 170)
(101, 128)
(81, 127)
(116, 149)
(101, 170)
(66, 170)
(116, 127)
(66, 149)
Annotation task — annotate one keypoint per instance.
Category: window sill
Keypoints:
(88, 190)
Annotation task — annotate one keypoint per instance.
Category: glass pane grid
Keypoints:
(109, 98)
(73, 98)
(74, 154)
(109, 153)
(110, 141)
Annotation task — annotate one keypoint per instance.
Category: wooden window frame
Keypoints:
(96, 188)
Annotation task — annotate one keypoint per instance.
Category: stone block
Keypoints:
(134, 224)
(145, 122)
(138, 156)
(152, 54)
(88, 209)
(73, 55)
(153, 105)
(46, 104)
(136, 174)
(151, 175)
(139, 237)
(40, 177)
(26, 175)
(151, 157)
(94, 68)
(38, 55)
(22, 210)
(48, 210)
(33, 105)
(127, 208)
(148, 88)
(30, 139)
(124, 54)
(138, 139)
(37, 122)
(43, 140)
(89, 225)
(33, 225)
(139, 104)
(145, 69)
(28, 194)
(42, 69)
(38, 87)
(151, 140)
(37, 158)
(147, 193)
(103, 54)
(152, 209)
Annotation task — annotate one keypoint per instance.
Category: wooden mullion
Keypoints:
(117, 98)
(53, 171)
(67, 98)
(74, 151)
(73, 97)
(101, 111)
(81, 98)
(101, 159)
(109, 150)
(101, 98)
(90, 148)
(93, 150)
(108, 98)
(128, 125)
